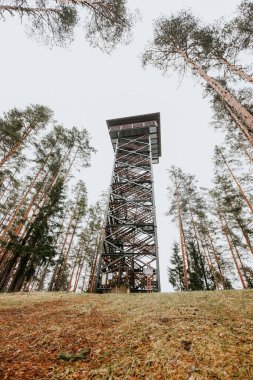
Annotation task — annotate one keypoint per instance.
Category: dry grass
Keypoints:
(199, 335)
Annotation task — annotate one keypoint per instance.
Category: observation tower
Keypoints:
(128, 261)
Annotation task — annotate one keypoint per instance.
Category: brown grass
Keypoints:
(199, 335)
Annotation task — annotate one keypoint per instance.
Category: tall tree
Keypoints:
(175, 45)
(238, 138)
(16, 126)
(230, 213)
(78, 212)
(205, 267)
(36, 246)
(177, 209)
(107, 23)
(33, 216)
(241, 27)
(220, 49)
(220, 159)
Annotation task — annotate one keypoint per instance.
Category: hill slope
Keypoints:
(198, 335)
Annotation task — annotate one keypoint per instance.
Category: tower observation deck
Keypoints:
(128, 261)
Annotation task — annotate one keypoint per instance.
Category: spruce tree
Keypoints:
(175, 271)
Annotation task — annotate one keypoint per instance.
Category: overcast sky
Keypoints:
(85, 87)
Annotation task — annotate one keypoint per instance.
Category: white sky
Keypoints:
(85, 87)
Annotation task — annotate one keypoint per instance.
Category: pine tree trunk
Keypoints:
(28, 10)
(91, 284)
(51, 286)
(240, 260)
(211, 267)
(74, 218)
(54, 279)
(14, 148)
(65, 258)
(84, 278)
(220, 90)
(29, 284)
(217, 261)
(247, 154)
(237, 183)
(199, 251)
(19, 275)
(72, 272)
(5, 217)
(92, 273)
(10, 264)
(225, 228)
(20, 204)
(45, 195)
(30, 277)
(182, 242)
(237, 219)
(246, 237)
(2, 192)
(79, 271)
(243, 129)
(235, 69)
(29, 207)
(17, 230)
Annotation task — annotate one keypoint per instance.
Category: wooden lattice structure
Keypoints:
(128, 261)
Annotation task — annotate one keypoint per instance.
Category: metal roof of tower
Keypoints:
(135, 126)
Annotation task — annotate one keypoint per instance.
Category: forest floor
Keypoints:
(193, 336)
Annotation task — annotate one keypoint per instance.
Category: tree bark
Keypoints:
(237, 183)
(198, 247)
(211, 267)
(59, 277)
(243, 129)
(225, 228)
(235, 69)
(240, 260)
(219, 89)
(217, 261)
(19, 275)
(27, 10)
(20, 204)
(91, 284)
(17, 144)
(182, 241)
(73, 271)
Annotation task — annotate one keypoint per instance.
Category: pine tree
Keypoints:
(78, 212)
(16, 126)
(33, 214)
(240, 29)
(203, 259)
(175, 45)
(238, 138)
(106, 23)
(228, 211)
(35, 247)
